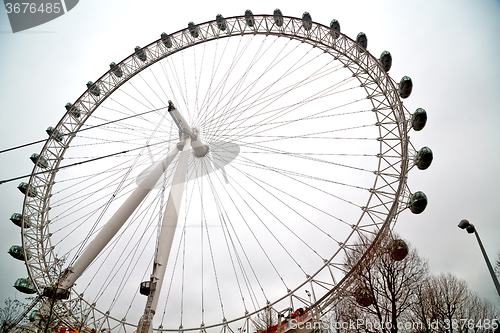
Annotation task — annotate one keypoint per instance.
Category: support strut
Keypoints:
(167, 232)
(115, 223)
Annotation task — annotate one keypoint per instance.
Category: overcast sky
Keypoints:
(449, 49)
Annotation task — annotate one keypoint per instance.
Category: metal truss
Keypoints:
(388, 196)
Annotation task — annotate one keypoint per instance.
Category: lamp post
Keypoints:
(464, 224)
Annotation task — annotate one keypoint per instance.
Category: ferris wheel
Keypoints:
(221, 171)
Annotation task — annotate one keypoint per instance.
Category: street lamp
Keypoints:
(464, 224)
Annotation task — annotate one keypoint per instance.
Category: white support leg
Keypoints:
(167, 232)
(115, 222)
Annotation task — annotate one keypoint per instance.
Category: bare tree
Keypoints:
(445, 305)
(265, 320)
(399, 295)
(12, 309)
(451, 294)
(348, 316)
(423, 311)
(386, 287)
(480, 313)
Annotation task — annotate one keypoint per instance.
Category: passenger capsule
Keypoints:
(17, 252)
(52, 132)
(23, 187)
(249, 18)
(145, 288)
(278, 17)
(405, 87)
(19, 220)
(73, 110)
(335, 28)
(398, 250)
(418, 202)
(386, 60)
(39, 160)
(221, 22)
(423, 159)
(167, 41)
(306, 21)
(362, 40)
(115, 69)
(139, 52)
(419, 119)
(193, 30)
(93, 88)
(364, 296)
(25, 286)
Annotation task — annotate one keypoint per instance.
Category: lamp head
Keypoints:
(464, 224)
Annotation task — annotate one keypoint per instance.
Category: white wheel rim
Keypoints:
(385, 193)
